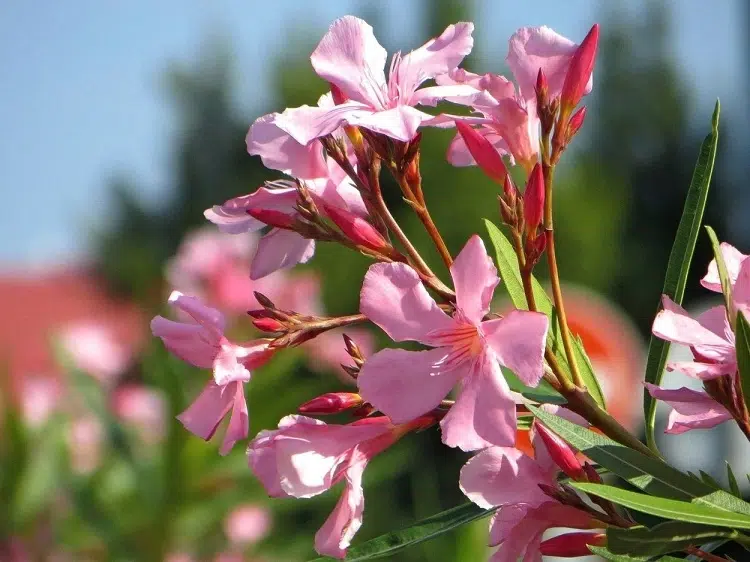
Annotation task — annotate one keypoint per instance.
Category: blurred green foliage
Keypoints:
(618, 200)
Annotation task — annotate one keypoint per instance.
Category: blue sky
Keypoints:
(81, 98)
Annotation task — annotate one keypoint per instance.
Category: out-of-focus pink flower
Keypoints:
(305, 457)
(691, 409)
(509, 118)
(94, 350)
(202, 343)
(141, 407)
(247, 524)
(328, 352)
(40, 397)
(508, 479)
(467, 350)
(85, 435)
(351, 59)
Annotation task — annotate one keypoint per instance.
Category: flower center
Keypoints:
(465, 339)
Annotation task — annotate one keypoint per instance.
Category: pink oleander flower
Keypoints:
(247, 524)
(202, 343)
(467, 350)
(94, 349)
(506, 478)
(691, 409)
(305, 457)
(509, 117)
(350, 58)
(40, 398)
(143, 408)
(734, 260)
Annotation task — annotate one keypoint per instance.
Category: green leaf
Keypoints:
(647, 473)
(391, 543)
(612, 557)
(733, 486)
(666, 508)
(14, 451)
(710, 480)
(507, 265)
(670, 536)
(742, 342)
(679, 262)
(726, 282)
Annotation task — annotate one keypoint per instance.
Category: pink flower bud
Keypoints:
(357, 229)
(338, 96)
(331, 403)
(571, 545)
(561, 454)
(580, 70)
(533, 200)
(268, 325)
(485, 155)
(272, 217)
(542, 88)
(576, 122)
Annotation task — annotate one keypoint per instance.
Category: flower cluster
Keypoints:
(332, 155)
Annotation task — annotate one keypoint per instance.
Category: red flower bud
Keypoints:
(580, 70)
(561, 454)
(357, 229)
(485, 155)
(331, 403)
(268, 325)
(542, 89)
(576, 122)
(272, 217)
(533, 201)
(571, 545)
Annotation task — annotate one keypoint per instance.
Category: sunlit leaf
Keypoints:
(670, 536)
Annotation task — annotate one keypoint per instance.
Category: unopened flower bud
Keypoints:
(264, 301)
(273, 218)
(575, 123)
(484, 153)
(338, 96)
(331, 403)
(357, 229)
(580, 69)
(571, 545)
(542, 88)
(591, 474)
(353, 350)
(268, 325)
(533, 201)
(561, 453)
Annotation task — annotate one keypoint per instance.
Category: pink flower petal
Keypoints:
(733, 259)
(691, 409)
(279, 151)
(204, 415)
(501, 476)
(475, 278)
(438, 56)
(394, 298)
(674, 324)
(741, 288)
(209, 318)
(519, 339)
(280, 249)
(400, 122)
(484, 413)
(532, 48)
(342, 194)
(498, 87)
(336, 534)
(306, 123)
(350, 57)
(238, 422)
(406, 384)
(702, 371)
(232, 217)
(459, 93)
(459, 155)
(227, 368)
(185, 341)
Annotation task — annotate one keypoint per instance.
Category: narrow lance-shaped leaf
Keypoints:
(647, 473)
(742, 344)
(679, 262)
(391, 543)
(670, 536)
(507, 265)
(721, 266)
(612, 557)
(733, 486)
(666, 508)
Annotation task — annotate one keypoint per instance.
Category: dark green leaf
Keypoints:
(666, 508)
(733, 486)
(670, 536)
(679, 262)
(742, 339)
(507, 265)
(710, 480)
(391, 543)
(647, 473)
(612, 557)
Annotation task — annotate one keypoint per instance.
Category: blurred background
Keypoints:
(122, 122)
